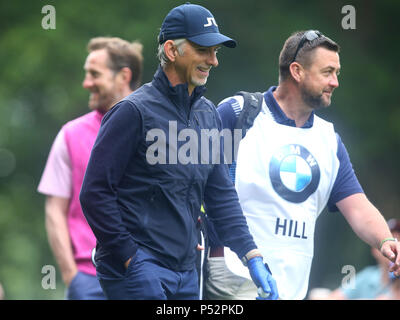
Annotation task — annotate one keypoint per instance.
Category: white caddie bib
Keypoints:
(284, 176)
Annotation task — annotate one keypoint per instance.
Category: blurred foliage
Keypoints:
(41, 76)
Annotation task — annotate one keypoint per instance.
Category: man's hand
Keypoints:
(390, 249)
(262, 278)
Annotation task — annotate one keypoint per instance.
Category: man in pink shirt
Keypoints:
(113, 70)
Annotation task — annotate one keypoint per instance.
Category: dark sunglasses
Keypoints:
(307, 36)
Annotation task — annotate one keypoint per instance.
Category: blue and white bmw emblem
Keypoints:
(294, 173)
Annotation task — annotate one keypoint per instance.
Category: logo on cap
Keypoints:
(211, 21)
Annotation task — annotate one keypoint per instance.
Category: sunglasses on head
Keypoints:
(307, 36)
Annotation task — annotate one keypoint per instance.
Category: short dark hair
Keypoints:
(121, 54)
(304, 54)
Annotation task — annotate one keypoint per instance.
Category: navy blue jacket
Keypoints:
(130, 202)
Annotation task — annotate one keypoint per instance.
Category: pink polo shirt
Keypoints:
(63, 177)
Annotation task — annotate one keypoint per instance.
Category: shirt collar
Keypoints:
(279, 116)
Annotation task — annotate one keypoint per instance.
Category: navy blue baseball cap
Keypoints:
(194, 23)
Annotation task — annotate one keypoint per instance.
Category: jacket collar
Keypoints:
(178, 94)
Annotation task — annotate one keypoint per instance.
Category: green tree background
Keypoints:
(40, 89)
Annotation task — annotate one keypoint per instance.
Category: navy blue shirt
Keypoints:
(346, 183)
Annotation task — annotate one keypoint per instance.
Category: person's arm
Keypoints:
(223, 207)
(348, 197)
(228, 119)
(370, 226)
(224, 210)
(56, 184)
(58, 235)
(117, 141)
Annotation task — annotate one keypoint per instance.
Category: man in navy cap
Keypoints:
(142, 194)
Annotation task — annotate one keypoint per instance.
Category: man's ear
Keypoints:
(170, 50)
(126, 75)
(297, 71)
(123, 77)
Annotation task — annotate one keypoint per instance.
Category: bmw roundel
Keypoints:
(294, 173)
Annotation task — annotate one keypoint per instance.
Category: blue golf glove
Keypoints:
(262, 277)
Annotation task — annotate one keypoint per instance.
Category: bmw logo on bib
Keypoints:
(294, 173)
